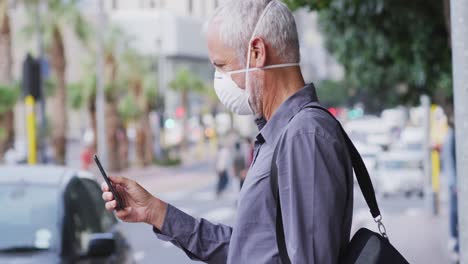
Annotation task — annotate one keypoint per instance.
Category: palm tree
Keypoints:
(7, 93)
(184, 83)
(84, 92)
(138, 75)
(61, 14)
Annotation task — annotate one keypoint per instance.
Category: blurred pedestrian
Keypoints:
(222, 166)
(239, 164)
(86, 156)
(254, 47)
(450, 171)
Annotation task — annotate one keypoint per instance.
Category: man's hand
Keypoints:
(139, 205)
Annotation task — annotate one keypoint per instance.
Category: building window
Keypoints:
(152, 3)
(216, 4)
(114, 4)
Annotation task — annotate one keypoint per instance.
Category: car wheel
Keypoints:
(421, 194)
(408, 194)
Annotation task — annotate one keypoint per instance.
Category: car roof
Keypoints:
(39, 174)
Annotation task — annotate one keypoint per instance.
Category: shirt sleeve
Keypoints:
(198, 238)
(313, 183)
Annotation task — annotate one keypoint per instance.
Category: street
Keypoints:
(420, 237)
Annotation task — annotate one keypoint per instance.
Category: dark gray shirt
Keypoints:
(316, 190)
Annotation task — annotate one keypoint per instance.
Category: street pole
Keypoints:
(162, 90)
(459, 33)
(42, 103)
(428, 193)
(100, 94)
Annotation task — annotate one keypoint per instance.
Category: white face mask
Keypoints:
(233, 97)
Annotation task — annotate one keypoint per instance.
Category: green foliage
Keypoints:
(383, 44)
(334, 93)
(8, 97)
(312, 4)
(150, 91)
(59, 14)
(128, 109)
(75, 96)
(3, 133)
(168, 162)
(186, 81)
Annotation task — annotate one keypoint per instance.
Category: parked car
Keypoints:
(56, 215)
(369, 154)
(411, 140)
(400, 173)
(370, 130)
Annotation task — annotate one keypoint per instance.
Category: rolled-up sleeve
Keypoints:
(198, 238)
(312, 179)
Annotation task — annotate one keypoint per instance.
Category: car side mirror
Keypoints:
(101, 245)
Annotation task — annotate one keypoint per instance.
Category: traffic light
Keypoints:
(31, 83)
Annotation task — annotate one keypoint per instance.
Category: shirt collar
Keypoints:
(269, 131)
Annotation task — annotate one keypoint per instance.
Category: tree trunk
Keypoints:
(92, 116)
(185, 105)
(144, 141)
(112, 127)
(149, 152)
(123, 145)
(59, 117)
(140, 141)
(6, 63)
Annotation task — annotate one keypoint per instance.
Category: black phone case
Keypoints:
(109, 183)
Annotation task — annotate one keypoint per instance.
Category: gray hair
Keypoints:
(237, 19)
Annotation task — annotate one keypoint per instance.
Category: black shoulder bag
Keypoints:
(366, 247)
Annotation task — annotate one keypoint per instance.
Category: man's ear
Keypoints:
(258, 53)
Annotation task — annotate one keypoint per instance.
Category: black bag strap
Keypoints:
(362, 176)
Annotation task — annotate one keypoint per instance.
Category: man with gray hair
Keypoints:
(254, 47)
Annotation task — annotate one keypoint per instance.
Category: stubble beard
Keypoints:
(256, 94)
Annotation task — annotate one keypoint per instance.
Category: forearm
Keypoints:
(200, 239)
(156, 213)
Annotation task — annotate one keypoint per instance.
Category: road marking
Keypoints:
(139, 256)
(220, 214)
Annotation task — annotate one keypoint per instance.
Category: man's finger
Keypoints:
(120, 180)
(111, 205)
(122, 214)
(104, 187)
(107, 196)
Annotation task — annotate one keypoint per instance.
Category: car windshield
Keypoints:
(401, 164)
(29, 217)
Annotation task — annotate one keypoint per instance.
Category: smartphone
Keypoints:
(109, 183)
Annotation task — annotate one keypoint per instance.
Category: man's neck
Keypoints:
(281, 84)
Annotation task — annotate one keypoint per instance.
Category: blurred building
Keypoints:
(170, 31)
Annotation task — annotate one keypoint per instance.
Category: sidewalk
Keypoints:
(157, 179)
(419, 236)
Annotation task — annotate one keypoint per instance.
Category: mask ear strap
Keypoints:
(247, 67)
(283, 65)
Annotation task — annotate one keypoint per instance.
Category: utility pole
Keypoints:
(100, 94)
(459, 33)
(427, 164)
